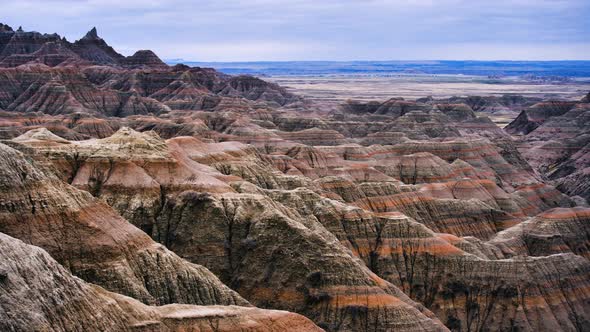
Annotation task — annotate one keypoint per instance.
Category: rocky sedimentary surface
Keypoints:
(20, 48)
(250, 241)
(95, 243)
(555, 141)
(363, 214)
(39, 294)
(534, 116)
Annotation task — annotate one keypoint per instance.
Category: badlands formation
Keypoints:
(145, 197)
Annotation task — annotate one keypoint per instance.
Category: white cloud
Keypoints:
(328, 29)
(246, 50)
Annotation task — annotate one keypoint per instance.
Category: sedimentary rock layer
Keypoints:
(95, 243)
(38, 294)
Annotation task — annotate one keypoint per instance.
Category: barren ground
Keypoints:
(342, 87)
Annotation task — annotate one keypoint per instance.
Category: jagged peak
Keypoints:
(20, 29)
(5, 28)
(91, 35)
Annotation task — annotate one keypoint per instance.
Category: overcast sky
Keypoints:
(255, 30)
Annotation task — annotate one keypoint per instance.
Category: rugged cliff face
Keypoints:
(95, 243)
(366, 217)
(256, 245)
(20, 48)
(104, 91)
(556, 144)
(38, 294)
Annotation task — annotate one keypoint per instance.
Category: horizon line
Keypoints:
(179, 60)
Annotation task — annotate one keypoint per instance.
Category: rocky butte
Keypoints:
(145, 197)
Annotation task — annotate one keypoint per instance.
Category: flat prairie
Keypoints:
(368, 87)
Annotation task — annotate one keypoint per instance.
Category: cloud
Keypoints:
(252, 50)
(328, 29)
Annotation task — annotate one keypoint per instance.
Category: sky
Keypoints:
(279, 30)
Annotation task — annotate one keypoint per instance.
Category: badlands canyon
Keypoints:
(138, 196)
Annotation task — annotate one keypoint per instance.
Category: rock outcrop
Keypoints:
(95, 243)
(232, 233)
(532, 117)
(108, 92)
(38, 294)
(370, 218)
(144, 58)
(93, 48)
(558, 147)
(19, 48)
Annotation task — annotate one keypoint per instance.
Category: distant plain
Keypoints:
(381, 80)
(342, 87)
(329, 83)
